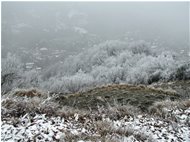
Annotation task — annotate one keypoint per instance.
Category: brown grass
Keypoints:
(32, 92)
(22, 101)
(140, 95)
(68, 112)
(164, 108)
(125, 87)
(105, 132)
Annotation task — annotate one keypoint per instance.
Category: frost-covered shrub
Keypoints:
(71, 65)
(11, 64)
(182, 72)
(69, 84)
(11, 71)
(168, 64)
(106, 63)
(105, 75)
(112, 47)
(29, 79)
(99, 73)
(54, 84)
(51, 71)
(140, 47)
(115, 74)
(114, 62)
(152, 69)
(13, 75)
(78, 82)
(98, 58)
(124, 57)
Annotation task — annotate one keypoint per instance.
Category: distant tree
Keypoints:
(29, 79)
(140, 47)
(11, 71)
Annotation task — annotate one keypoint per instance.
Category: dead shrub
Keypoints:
(103, 128)
(186, 103)
(32, 92)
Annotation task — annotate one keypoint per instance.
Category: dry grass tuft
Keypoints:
(186, 103)
(163, 91)
(16, 105)
(104, 128)
(32, 92)
(118, 111)
(65, 112)
(164, 108)
(108, 132)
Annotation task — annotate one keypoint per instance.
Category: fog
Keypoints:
(70, 27)
(115, 68)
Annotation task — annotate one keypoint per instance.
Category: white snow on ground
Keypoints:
(42, 128)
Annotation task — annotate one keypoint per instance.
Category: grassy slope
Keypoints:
(23, 101)
(140, 96)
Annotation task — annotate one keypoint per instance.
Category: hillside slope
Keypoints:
(113, 113)
(140, 96)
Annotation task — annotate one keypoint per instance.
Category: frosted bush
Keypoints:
(69, 84)
(124, 57)
(112, 47)
(29, 79)
(78, 82)
(11, 64)
(11, 70)
(140, 47)
(116, 74)
(51, 71)
(99, 73)
(54, 84)
(106, 63)
(142, 71)
(153, 68)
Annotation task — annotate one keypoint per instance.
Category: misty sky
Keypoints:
(167, 22)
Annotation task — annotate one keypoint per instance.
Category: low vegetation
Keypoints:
(100, 90)
(113, 100)
(111, 62)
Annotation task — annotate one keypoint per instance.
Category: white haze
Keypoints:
(71, 46)
(165, 23)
